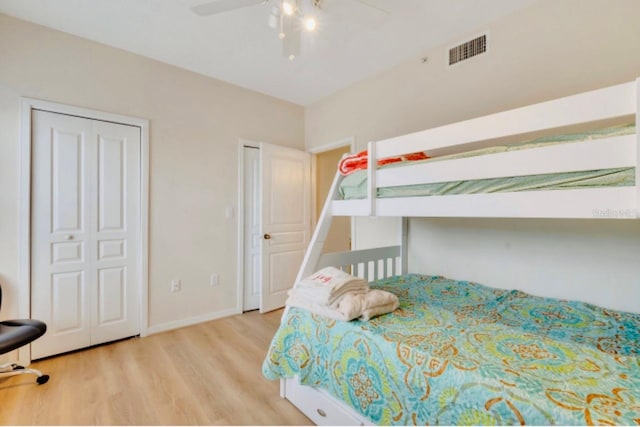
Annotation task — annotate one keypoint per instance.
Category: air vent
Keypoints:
(468, 50)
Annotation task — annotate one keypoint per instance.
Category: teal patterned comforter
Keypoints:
(463, 353)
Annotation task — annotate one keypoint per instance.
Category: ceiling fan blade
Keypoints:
(220, 6)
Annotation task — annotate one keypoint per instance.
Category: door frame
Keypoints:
(24, 239)
(240, 222)
(345, 142)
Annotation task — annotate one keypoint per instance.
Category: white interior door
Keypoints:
(286, 220)
(85, 225)
(252, 236)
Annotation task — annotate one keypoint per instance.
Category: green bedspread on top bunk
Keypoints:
(354, 186)
(463, 353)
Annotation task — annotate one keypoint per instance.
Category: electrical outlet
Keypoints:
(214, 280)
(176, 285)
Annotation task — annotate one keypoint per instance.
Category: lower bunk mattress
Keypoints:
(458, 352)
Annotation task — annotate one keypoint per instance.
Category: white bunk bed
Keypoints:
(616, 104)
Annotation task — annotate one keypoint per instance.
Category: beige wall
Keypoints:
(551, 49)
(195, 123)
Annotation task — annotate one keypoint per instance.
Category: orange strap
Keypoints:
(359, 161)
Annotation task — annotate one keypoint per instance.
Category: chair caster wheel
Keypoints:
(43, 379)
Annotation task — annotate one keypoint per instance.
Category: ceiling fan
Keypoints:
(288, 17)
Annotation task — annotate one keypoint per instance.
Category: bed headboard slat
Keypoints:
(370, 264)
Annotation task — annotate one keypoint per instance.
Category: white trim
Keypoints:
(24, 238)
(168, 326)
(144, 228)
(349, 141)
(240, 222)
(240, 229)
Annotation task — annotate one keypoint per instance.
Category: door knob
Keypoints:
(69, 237)
(267, 236)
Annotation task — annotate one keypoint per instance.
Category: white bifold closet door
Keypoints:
(85, 224)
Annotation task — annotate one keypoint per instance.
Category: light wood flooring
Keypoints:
(199, 375)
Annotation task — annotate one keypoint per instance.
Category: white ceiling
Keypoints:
(353, 41)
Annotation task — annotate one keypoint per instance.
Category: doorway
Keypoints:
(274, 227)
(339, 236)
(83, 226)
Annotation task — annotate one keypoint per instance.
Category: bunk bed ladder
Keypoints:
(314, 259)
(314, 250)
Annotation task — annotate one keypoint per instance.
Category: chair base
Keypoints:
(11, 369)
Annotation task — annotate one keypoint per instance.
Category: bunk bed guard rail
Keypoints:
(603, 105)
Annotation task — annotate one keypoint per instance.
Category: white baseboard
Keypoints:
(163, 327)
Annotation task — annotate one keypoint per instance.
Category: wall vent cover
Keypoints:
(468, 49)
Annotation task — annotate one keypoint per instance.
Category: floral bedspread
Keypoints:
(463, 353)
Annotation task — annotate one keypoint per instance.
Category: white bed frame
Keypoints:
(611, 104)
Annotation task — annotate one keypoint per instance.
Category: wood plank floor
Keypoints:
(200, 375)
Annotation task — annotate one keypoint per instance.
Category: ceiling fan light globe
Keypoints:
(287, 8)
(310, 23)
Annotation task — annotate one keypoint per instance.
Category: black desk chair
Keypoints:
(14, 334)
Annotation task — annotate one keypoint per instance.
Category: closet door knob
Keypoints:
(69, 237)
(267, 236)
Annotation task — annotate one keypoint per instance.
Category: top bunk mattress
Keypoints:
(463, 353)
(354, 186)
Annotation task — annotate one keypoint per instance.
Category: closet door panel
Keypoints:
(60, 256)
(117, 228)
